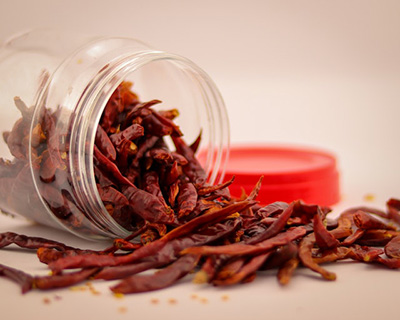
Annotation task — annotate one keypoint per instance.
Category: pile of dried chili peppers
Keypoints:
(179, 223)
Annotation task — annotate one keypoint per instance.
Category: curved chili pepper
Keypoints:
(394, 209)
(364, 221)
(47, 255)
(148, 206)
(203, 190)
(169, 114)
(196, 143)
(247, 249)
(377, 238)
(281, 255)
(63, 280)
(151, 248)
(276, 227)
(339, 253)
(130, 133)
(208, 270)
(104, 143)
(121, 272)
(158, 280)
(173, 192)
(27, 242)
(358, 234)
(193, 169)
(187, 199)
(137, 111)
(150, 183)
(286, 271)
(229, 269)
(102, 161)
(176, 131)
(14, 140)
(247, 270)
(24, 280)
(305, 255)
(323, 238)
(392, 248)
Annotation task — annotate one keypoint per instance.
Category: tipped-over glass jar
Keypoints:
(55, 90)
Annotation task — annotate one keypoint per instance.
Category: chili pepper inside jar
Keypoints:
(87, 148)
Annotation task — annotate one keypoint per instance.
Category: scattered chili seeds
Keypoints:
(154, 301)
(78, 288)
(92, 289)
(172, 301)
(122, 309)
(225, 297)
(369, 197)
(204, 300)
(118, 295)
(46, 300)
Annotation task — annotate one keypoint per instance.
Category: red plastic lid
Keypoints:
(290, 173)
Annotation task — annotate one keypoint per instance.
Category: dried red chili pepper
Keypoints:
(392, 248)
(286, 270)
(170, 251)
(151, 249)
(204, 190)
(281, 255)
(173, 192)
(163, 195)
(168, 123)
(148, 206)
(162, 155)
(122, 244)
(47, 255)
(110, 168)
(376, 238)
(24, 280)
(132, 132)
(193, 169)
(392, 263)
(137, 112)
(276, 227)
(394, 209)
(104, 144)
(247, 270)
(150, 183)
(323, 238)
(359, 233)
(365, 221)
(159, 280)
(209, 269)
(230, 268)
(27, 242)
(305, 255)
(187, 199)
(247, 249)
(28, 282)
(63, 280)
(364, 253)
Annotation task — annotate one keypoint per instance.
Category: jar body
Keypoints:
(61, 83)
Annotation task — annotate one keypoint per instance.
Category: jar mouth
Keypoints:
(197, 88)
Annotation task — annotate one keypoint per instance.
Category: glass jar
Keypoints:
(73, 77)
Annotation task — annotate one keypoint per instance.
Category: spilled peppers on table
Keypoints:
(179, 223)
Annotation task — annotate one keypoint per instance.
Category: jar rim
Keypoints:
(90, 108)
